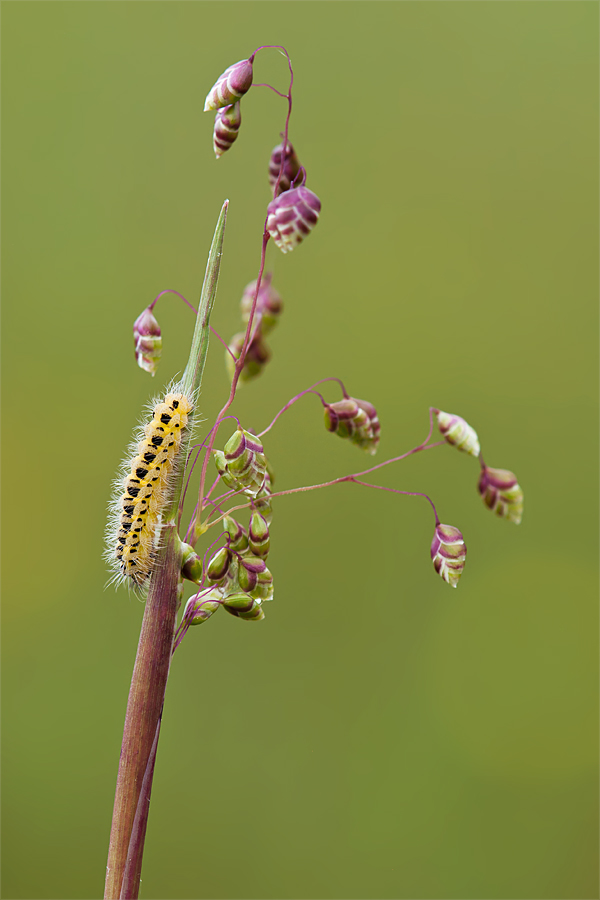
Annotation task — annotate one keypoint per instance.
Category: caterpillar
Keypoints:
(136, 513)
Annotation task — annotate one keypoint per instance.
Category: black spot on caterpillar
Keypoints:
(144, 491)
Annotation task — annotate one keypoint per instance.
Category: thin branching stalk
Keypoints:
(233, 576)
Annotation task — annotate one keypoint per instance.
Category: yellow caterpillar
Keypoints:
(137, 512)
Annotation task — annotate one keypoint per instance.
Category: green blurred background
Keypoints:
(378, 735)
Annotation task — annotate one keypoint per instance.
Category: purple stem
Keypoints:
(341, 480)
(181, 502)
(193, 308)
(144, 710)
(238, 369)
(301, 394)
(184, 624)
(380, 487)
(301, 173)
(313, 487)
(215, 504)
(211, 440)
(225, 344)
(172, 291)
(210, 546)
(199, 446)
(133, 867)
(403, 456)
(212, 487)
(285, 96)
(190, 528)
(222, 498)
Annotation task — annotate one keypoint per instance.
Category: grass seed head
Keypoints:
(230, 86)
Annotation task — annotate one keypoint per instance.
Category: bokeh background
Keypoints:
(378, 735)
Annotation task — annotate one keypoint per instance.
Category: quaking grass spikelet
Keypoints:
(139, 499)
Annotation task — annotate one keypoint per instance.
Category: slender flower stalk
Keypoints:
(234, 572)
(348, 479)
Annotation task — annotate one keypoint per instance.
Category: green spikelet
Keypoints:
(244, 606)
(258, 535)
(238, 539)
(242, 465)
(200, 607)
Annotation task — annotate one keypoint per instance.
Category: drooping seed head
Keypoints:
(244, 449)
(501, 493)
(458, 432)
(191, 564)
(230, 86)
(369, 439)
(339, 416)
(448, 552)
(291, 167)
(291, 216)
(257, 356)
(263, 505)
(258, 535)
(201, 606)
(264, 586)
(238, 600)
(268, 304)
(148, 341)
(238, 539)
(219, 565)
(227, 127)
(244, 606)
(356, 420)
(242, 465)
(249, 568)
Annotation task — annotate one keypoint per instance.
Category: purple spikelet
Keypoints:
(250, 567)
(257, 356)
(356, 420)
(268, 304)
(291, 216)
(227, 128)
(373, 428)
(230, 86)
(448, 552)
(148, 341)
(291, 167)
(501, 493)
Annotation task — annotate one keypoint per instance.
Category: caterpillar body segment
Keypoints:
(141, 496)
